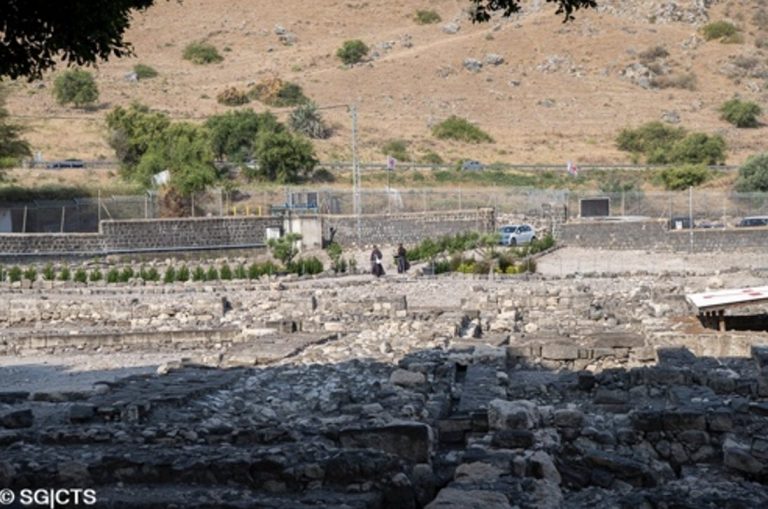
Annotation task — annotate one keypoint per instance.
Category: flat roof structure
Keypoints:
(712, 305)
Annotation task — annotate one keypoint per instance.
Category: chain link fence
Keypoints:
(707, 208)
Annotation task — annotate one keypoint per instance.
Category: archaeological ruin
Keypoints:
(563, 388)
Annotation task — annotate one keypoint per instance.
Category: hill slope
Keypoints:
(562, 91)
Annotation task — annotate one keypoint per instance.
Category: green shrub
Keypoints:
(49, 273)
(397, 149)
(150, 274)
(662, 144)
(304, 266)
(144, 72)
(256, 270)
(170, 275)
(649, 138)
(290, 94)
(306, 119)
(30, 274)
(202, 53)
(2, 273)
(352, 52)
(284, 248)
(719, 30)
(431, 157)
(682, 177)
(232, 96)
(182, 274)
(95, 275)
(699, 148)
(64, 274)
(456, 128)
(541, 244)
(429, 249)
(213, 274)
(81, 276)
(278, 93)
(198, 274)
(240, 272)
(126, 274)
(77, 87)
(426, 17)
(113, 275)
(225, 273)
(740, 113)
(14, 274)
(338, 264)
(753, 174)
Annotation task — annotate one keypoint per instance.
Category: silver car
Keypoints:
(517, 234)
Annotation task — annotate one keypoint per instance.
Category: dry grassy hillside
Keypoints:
(559, 94)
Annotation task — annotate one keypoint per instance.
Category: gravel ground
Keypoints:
(571, 260)
(75, 372)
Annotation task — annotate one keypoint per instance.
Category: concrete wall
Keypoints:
(654, 235)
(408, 228)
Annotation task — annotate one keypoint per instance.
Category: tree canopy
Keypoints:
(184, 150)
(482, 10)
(35, 33)
(12, 146)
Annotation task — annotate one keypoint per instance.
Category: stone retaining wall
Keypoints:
(212, 233)
(654, 236)
(408, 228)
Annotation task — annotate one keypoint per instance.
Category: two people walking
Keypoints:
(377, 264)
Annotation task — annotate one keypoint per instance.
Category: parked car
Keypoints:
(472, 165)
(67, 163)
(517, 234)
(754, 221)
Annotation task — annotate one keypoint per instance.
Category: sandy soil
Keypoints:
(537, 110)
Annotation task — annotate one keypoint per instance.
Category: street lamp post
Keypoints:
(356, 202)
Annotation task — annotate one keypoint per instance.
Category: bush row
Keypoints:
(224, 272)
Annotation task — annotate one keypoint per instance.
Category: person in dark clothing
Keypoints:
(377, 267)
(402, 259)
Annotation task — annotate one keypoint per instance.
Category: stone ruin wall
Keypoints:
(529, 392)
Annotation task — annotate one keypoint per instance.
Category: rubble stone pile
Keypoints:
(408, 392)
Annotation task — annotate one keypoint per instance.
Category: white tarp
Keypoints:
(722, 298)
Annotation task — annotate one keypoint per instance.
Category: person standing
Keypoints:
(377, 267)
(402, 259)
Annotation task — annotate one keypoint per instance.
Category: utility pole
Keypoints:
(356, 203)
(355, 172)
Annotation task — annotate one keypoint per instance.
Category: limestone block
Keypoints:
(566, 418)
(451, 498)
(541, 466)
(406, 378)
(559, 351)
(518, 414)
(411, 441)
(738, 457)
